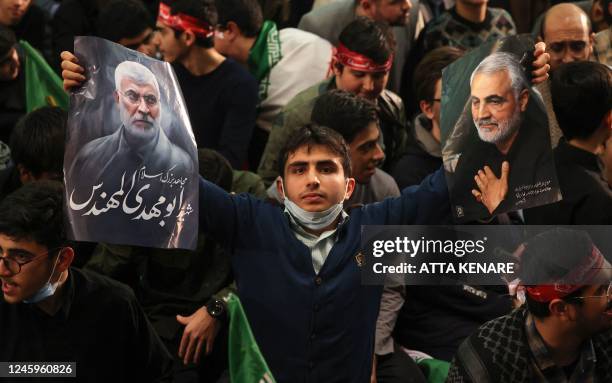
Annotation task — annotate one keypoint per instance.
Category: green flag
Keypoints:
(43, 86)
(246, 364)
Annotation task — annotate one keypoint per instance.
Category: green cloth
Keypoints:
(246, 364)
(264, 54)
(436, 370)
(248, 182)
(43, 86)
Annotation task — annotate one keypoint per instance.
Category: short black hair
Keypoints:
(38, 140)
(7, 40)
(581, 97)
(429, 71)
(312, 135)
(215, 168)
(247, 15)
(370, 38)
(550, 256)
(203, 10)
(34, 212)
(344, 112)
(123, 19)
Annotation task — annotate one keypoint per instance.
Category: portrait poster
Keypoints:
(130, 165)
(495, 134)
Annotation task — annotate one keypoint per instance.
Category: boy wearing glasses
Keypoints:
(53, 313)
(562, 334)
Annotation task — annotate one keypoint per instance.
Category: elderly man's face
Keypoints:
(138, 107)
(12, 11)
(495, 108)
(567, 39)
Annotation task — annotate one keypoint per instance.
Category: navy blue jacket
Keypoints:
(309, 327)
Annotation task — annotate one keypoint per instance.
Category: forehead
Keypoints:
(10, 243)
(566, 27)
(486, 84)
(369, 133)
(313, 154)
(130, 83)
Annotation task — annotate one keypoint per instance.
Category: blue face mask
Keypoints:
(313, 220)
(47, 290)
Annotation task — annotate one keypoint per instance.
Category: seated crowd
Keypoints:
(311, 119)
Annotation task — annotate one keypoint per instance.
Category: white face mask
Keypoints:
(47, 290)
(313, 220)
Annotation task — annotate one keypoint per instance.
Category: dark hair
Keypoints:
(123, 19)
(216, 168)
(311, 135)
(247, 15)
(203, 10)
(344, 112)
(605, 4)
(581, 97)
(370, 38)
(38, 140)
(550, 256)
(7, 40)
(34, 213)
(429, 71)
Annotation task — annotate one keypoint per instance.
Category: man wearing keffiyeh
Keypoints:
(563, 333)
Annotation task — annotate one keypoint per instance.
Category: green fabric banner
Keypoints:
(246, 364)
(43, 87)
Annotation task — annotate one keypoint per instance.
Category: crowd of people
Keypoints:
(311, 119)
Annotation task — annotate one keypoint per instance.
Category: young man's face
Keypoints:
(594, 315)
(12, 11)
(366, 153)
(314, 179)
(364, 84)
(393, 12)
(33, 275)
(170, 47)
(138, 107)
(9, 66)
(495, 107)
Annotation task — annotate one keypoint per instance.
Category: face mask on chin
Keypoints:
(47, 290)
(313, 220)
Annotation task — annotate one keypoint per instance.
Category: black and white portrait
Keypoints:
(130, 163)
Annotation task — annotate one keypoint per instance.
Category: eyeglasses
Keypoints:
(608, 294)
(14, 266)
(576, 46)
(134, 98)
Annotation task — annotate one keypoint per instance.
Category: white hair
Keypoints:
(504, 61)
(137, 72)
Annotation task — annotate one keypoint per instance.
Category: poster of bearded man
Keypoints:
(130, 166)
(496, 142)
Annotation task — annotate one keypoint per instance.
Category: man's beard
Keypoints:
(505, 129)
(136, 132)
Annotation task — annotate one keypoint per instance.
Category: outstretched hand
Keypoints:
(491, 190)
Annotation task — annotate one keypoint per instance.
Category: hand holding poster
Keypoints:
(495, 136)
(130, 164)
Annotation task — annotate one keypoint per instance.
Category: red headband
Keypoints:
(183, 22)
(580, 276)
(359, 62)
